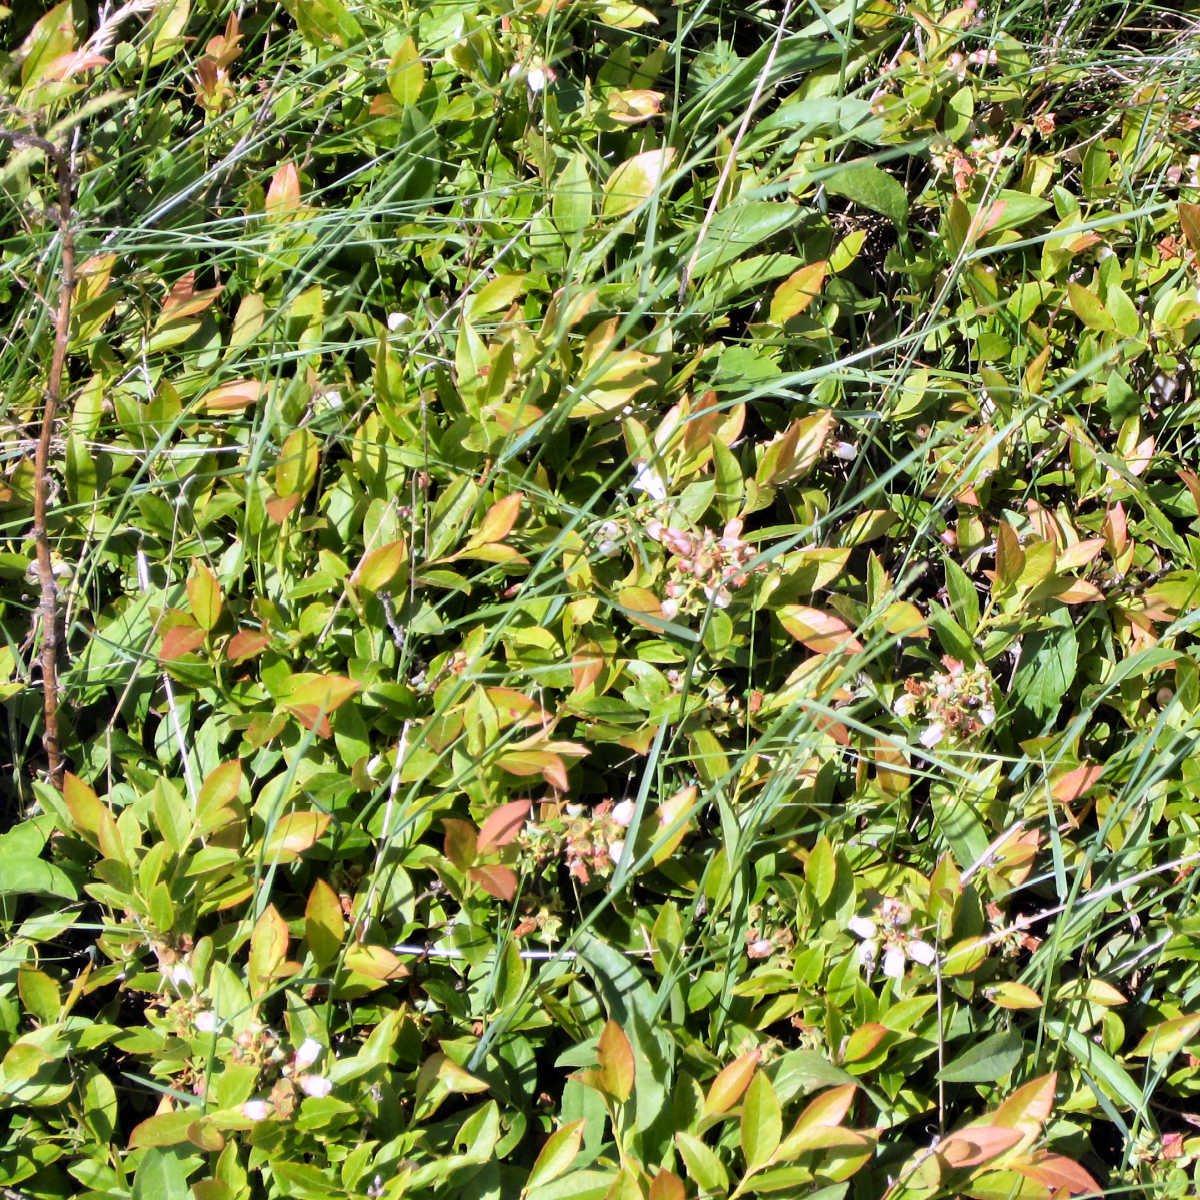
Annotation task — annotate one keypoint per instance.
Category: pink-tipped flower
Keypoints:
(308, 1053)
(256, 1110)
(316, 1086)
(206, 1022)
(622, 813)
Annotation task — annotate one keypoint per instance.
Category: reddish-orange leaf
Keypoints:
(798, 291)
(497, 881)
(863, 1041)
(586, 665)
(244, 644)
(279, 508)
(1029, 1107)
(500, 827)
(283, 194)
(666, 1186)
(460, 842)
(831, 1107)
(535, 762)
(514, 706)
(1079, 555)
(976, 1145)
(311, 717)
(731, 1082)
(184, 301)
(293, 834)
(380, 566)
(232, 397)
(1079, 591)
(1058, 1174)
(180, 640)
(1068, 788)
(821, 632)
(615, 1057)
(498, 522)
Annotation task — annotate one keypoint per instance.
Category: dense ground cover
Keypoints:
(624, 578)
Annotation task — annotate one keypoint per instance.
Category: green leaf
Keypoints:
(35, 876)
(635, 181)
(301, 1182)
(406, 74)
(762, 1122)
(159, 1174)
(1049, 658)
(574, 197)
(741, 227)
(1088, 308)
(873, 188)
(1099, 1065)
(1011, 208)
(703, 1166)
(987, 1061)
(820, 871)
(556, 1155)
(578, 1185)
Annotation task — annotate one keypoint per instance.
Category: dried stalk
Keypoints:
(53, 395)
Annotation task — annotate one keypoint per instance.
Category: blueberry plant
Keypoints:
(597, 600)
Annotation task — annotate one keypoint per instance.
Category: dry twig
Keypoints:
(53, 395)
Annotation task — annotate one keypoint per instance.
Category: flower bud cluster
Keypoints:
(704, 565)
(984, 153)
(954, 703)
(887, 930)
(589, 843)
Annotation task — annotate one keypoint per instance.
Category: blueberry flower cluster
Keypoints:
(704, 565)
(955, 703)
(590, 843)
(887, 930)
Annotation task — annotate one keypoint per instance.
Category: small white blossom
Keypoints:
(646, 479)
(308, 1053)
(759, 949)
(206, 1022)
(396, 320)
(904, 705)
(864, 927)
(932, 734)
(180, 973)
(669, 609)
(920, 952)
(615, 850)
(622, 813)
(537, 75)
(987, 714)
(315, 1085)
(893, 962)
(846, 451)
(256, 1110)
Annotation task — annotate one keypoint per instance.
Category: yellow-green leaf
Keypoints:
(635, 181)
